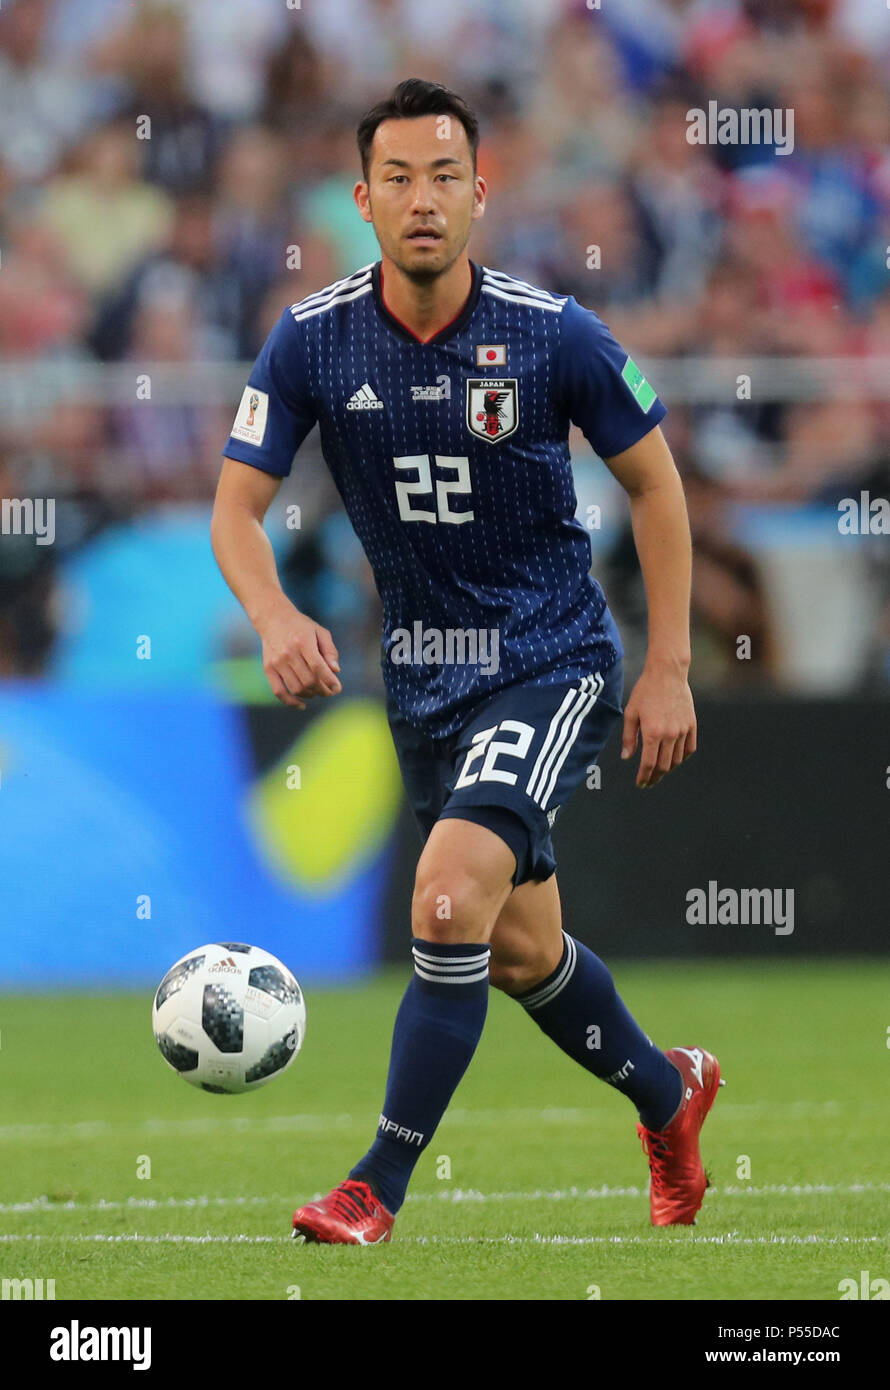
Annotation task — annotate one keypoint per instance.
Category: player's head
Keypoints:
(418, 152)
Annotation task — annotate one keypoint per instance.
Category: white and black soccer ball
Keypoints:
(229, 1017)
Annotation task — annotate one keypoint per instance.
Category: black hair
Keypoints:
(415, 97)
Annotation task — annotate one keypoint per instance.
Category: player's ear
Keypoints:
(361, 194)
(480, 190)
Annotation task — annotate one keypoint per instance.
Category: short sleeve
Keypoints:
(276, 411)
(601, 387)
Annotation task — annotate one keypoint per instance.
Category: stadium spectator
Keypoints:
(191, 259)
(44, 104)
(254, 226)
(43, 310)
(103, 213)
(168, 448)
(178, 137)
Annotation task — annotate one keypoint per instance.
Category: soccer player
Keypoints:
(444, 392)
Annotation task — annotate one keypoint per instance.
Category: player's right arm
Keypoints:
(299, 656)
(275, 415)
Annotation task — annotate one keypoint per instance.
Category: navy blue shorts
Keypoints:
(514, 764)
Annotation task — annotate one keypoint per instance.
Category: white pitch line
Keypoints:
(592, 1193)
(455, 1195)
(170, 1238)
(730, 1238)
(326, 1124)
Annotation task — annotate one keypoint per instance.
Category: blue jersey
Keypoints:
(452, 460)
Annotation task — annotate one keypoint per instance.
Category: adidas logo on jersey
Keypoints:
(364, 399)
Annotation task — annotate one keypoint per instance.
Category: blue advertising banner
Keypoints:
(134, 828)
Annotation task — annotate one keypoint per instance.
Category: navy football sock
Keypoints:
(580, 1009)
(438, 1025)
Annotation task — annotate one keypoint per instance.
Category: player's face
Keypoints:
(421, 194)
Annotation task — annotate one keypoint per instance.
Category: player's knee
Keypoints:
(450, 904)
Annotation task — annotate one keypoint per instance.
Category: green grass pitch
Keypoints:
(534, 1186)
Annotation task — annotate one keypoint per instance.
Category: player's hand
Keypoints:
(299, 656)
(660, 710)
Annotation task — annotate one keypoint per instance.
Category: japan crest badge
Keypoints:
(492, 407)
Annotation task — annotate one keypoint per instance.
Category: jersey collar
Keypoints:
(457, 325)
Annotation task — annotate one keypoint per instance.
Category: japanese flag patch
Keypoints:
(491, 355)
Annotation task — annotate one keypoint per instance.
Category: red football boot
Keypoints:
(677, 1178)
(350, 1215)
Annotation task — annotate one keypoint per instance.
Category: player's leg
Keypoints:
(464, 876)
(571, 995)
(527, 940)
(574, 1001)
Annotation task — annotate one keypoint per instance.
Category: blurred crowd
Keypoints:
(159, 163)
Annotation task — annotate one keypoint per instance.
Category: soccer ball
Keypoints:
(229, 1017)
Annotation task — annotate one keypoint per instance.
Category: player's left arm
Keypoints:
(660, 710)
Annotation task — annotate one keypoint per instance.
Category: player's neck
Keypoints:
(426, 308)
